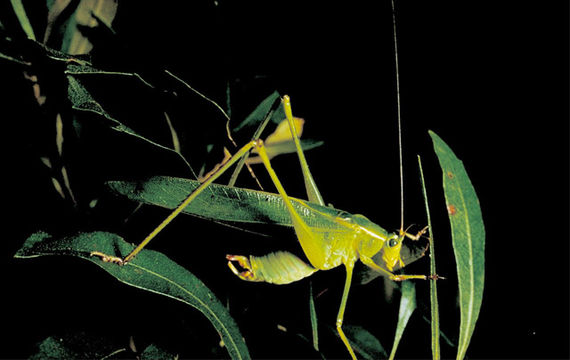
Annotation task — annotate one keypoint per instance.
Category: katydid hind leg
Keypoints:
(211, 178)
(311, 244)
(313, 193)
(281, 267)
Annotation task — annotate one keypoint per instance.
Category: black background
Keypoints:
(490, 79)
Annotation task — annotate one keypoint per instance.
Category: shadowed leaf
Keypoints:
(150, 271)
(407, 307)
(363, 342)
(88, 15)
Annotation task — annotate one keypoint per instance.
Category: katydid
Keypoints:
(332, 237)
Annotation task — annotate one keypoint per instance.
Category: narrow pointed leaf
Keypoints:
(313, 316)
(407, 307)
(468, 238)
(150, 271)
(253, 120)
(434, 304)
(363, 342)
(18, 8)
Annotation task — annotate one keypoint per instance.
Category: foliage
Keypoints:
(150, 271)
(71, 84)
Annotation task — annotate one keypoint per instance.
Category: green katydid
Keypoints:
(332, 237)
(329, 237)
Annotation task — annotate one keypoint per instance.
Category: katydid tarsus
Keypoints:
(331, 239)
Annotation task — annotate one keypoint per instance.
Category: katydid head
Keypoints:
(374, 241)
(391, 251)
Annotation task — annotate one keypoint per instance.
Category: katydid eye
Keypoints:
(392, 242)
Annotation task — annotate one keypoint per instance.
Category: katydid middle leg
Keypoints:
(340, 317)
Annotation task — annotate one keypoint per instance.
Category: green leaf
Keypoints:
(153, 352)
(434, 304)
(313, 316)
(468, 238)
(260, 117)
(77, 345)
(407, 307)
(253, 120)
(53, 348)
(23, 18)
(362, 341)
(82, 100)
(150, 271)
(217, 202)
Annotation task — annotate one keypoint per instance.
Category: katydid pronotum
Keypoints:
(331, 239)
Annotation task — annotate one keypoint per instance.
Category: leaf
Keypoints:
(18, 8)
(407, 307)
(217, 202)
(53, 348)
(434, 304)
(313, 316)
(260, 117)
(225, 203)
(253, 120)
(84, 69)
(468, 239)
(55, 9)
(281, 142)
(77, 345)
(362, 341)
(150, 271)
(153, 352)
(88, 15)
(82, 100)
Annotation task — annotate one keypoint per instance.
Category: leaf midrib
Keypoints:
(465, 330)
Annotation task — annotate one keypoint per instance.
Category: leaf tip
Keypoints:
(30, 243)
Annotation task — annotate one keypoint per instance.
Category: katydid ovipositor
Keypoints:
(331, 238)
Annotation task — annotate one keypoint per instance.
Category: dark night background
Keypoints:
(490, 78)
